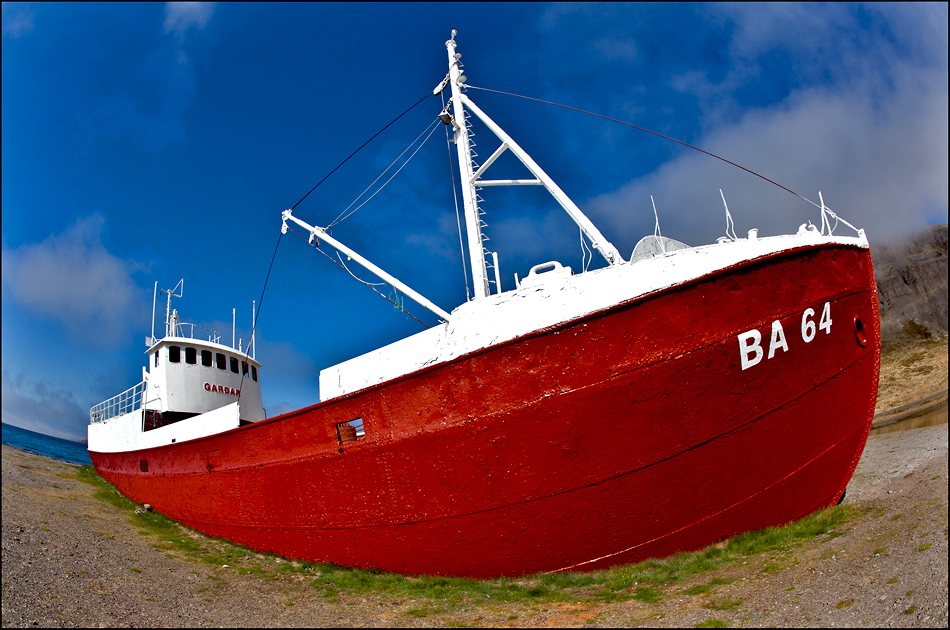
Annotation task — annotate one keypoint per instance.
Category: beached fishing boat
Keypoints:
(581, 420)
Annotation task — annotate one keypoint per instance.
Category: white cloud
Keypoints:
(72, 278)
(42, 410)
(181, 16)
(867, 126)
(17, 19)
(881, 166)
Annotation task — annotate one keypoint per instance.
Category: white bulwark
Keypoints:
(192, 388)
(552, 298)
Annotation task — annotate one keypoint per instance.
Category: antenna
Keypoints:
(151, 339)
(656, 230)
(825, 223)
(168, 304)
(729, 223)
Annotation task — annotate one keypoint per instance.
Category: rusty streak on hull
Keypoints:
(626, 434)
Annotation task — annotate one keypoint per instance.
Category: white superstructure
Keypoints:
(191, 388)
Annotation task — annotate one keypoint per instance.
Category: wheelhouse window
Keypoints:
(191, 355)
(221, 361)
(174, 354)
(244, 368)
(206, 358)
(254, 372)
(156, 358)
(234, 365)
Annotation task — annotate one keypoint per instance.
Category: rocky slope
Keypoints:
(911, 279)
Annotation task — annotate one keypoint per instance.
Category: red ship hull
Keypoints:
(630, 433)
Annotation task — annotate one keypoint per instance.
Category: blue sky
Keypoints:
(150, 142)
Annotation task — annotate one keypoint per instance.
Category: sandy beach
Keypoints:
(71, 559)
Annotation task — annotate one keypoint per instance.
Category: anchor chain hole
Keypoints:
(859, 332)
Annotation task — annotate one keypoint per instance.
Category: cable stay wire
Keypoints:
(347, 213)
(325, 177)
(260, 303)
(655, 133)
(360, 147)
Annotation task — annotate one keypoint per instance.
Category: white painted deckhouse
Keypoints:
(192, 387)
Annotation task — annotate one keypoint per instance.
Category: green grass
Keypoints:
(712, 623)
(822, 522)
(167, 532)
(645, 582)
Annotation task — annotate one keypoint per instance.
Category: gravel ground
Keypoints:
(71, 560)
(912, 371)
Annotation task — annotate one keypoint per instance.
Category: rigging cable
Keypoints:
(274, 256)
(360, 147)
(260, 302)
(347, 214)
(369, 284)
(685, 144)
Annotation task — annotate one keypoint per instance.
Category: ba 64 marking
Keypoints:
(750, 342)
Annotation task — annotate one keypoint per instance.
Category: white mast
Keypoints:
(151, 339)
(605, 247)
(472, 219)
(472, 180)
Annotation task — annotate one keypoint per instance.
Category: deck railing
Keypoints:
(214, 337)
(129, 400)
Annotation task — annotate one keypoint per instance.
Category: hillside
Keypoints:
(911, 279)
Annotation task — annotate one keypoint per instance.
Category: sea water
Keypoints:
(57, 448)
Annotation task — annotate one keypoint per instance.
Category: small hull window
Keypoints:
(349, 432)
